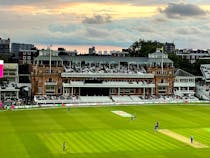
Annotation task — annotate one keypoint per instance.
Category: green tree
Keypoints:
(142, 48)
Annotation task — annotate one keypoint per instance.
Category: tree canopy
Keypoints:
(142, 48)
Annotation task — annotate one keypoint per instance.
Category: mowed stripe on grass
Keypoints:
(96, 132)
(104, 141)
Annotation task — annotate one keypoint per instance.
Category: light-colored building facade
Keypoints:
(205, 69)
(192, 55)
(184, 84)
(9, 83)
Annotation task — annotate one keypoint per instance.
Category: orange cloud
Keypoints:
(116, 10)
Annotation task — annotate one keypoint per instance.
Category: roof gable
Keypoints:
(183, 73)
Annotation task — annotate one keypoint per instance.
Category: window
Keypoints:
(131, 90)
(183, 88)
(59, 90)
(113, 91)
(29, 53)
(24, 61)
(191, 88)
(50, 89)
(162, 88)
(40, 80)
(24, 57)
(29, 57)
(40, 90)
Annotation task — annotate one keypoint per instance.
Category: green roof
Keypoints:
(105, 59)
(47, 58)
(159, 60)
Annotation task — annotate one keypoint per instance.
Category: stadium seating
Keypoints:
(95, 99)
(121, 99)
(203, 92)
(205, 69)
(135, 98)
(88, 100)
(105, 68)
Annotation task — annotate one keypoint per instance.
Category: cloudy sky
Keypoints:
(106, 23)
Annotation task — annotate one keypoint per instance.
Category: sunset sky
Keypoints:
(104, 23)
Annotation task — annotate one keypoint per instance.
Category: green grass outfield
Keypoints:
(96, 132)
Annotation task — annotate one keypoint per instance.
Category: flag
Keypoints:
(1, 68)
(63, 105)
(1, 105)
(12, 106)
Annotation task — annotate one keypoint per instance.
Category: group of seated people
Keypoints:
(105, 68)
(5, 85)
(129, 97)
(62, 97)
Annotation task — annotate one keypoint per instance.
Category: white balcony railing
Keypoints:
(50, 83)
(163, 84)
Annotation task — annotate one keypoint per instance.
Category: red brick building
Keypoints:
(102, 75)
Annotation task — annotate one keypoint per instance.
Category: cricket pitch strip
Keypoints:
(182, 138)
